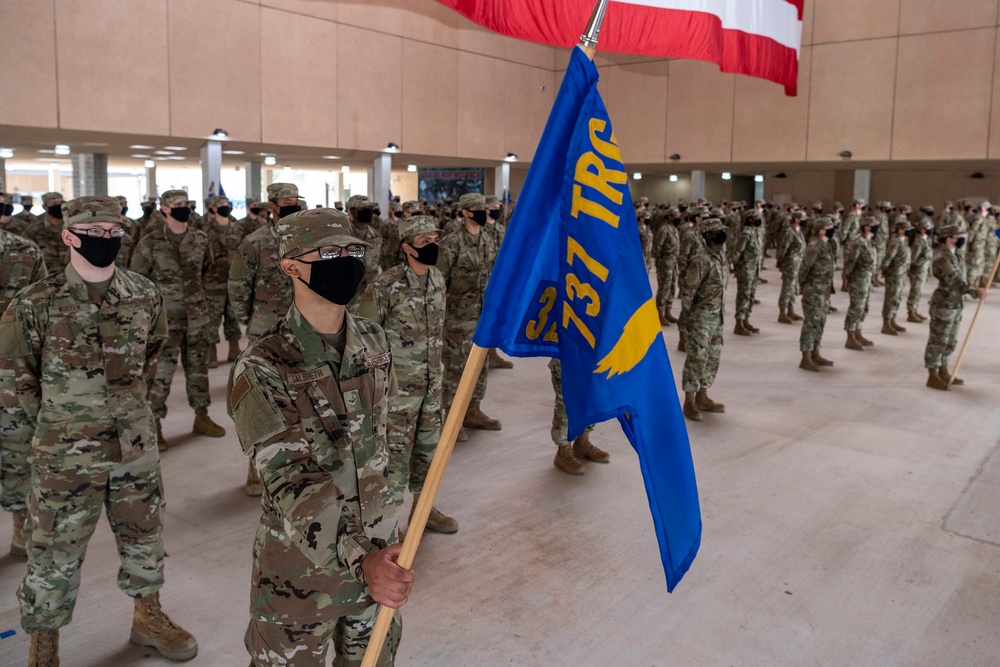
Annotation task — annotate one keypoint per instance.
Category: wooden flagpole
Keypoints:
(975, 317)
(452, 424)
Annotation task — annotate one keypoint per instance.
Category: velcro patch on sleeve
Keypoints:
(257, 419)
(13, 344)
(378, 360)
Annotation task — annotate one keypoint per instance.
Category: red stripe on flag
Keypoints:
(799, 4)
(641, 30)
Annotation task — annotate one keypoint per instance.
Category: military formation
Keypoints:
(359, 328)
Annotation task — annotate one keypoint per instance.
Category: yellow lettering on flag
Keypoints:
(637, 337)
(590, 171)
(593, 209)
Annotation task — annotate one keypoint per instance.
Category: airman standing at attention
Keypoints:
(25, 215)
(176, 258)
(8, 221)
(225, 234)
(128, 243)
(745, 260)
(975, 258)
(256, 215)
(859, 269)
(816, 285)
(361, 211)
(466, 262)
(570, 456)
(703, 293)
(83, 346)
(850, 230)
(921, 256)
(882, 238)
(310, 399)
(895, 266)
(46, 232)
(692, 243)
(496, 230)
(791, 249)
(665, 247)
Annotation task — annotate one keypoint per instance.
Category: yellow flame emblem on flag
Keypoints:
(637, 337)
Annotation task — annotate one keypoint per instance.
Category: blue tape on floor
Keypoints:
(7, 633)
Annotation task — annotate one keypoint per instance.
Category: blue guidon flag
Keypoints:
(570, 283)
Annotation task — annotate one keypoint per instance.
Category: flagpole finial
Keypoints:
(589, 38)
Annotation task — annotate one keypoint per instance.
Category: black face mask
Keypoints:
(337, 279)
(428, 254)
(55, 211)
(378, 212)
(397, 214)
(479, 217)
(909, 233)
(99, 252)
(8, 209)
(960, 242)
(365, 216)
(124, 210)
(146, 210)
(180, 213)
(284, 211)
(495, 214)
(718, 238)
(224, 211)
(756, 222)
(255, 211)
(874, 229)
(829, 232)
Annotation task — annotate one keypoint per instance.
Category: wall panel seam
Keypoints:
(989, 119)
(898, 35)
(55, 51)
(895, 88)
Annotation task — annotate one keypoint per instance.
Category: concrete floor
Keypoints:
(850, 519)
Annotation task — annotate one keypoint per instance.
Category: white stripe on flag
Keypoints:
(774, 19)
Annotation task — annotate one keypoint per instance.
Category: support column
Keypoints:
(381, 182)
(341, 195)
(151, 181)
(758, 189)
(90, 174)
(501, 182)
(253, 179)
(55, 178)
(211, 167)
(863, 184)
(3, 175)
(697, 185)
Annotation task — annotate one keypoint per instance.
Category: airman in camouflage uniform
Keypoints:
(881, 214)
(816, 285)
(128, 243)
(946, 306)
(992, 243)
(46, 232)
(921, 256)
(225, 234)
(569, 457)
(408, 304)
(791, 249)
(389, 231)
(176, 258)
(82, 347)
(859, 270)
(850, 230)
(25, 216)
(361, 211)
(975, 258)
(22, 265)
(256, 215)
(495, 226)
(666, 245)
(703, 293)
(895, 266)
(645, 238)
(310, 399)
(692, 243)
(745, 260)
(9, 222)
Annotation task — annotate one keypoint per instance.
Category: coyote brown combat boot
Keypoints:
(663, 319)
(682, 342)
(17, 546)
(494, 359)
(203, 424)
(213, 356)
(864, 341)
(566, 461)
(161, 443)
(795, 317)
(691, 410)
(437, 521)
(583, 448)
(152, 627)
(234, 351)
(912, 316)
(783, 317)
(751, 328)
(474, 418)
(946, 376)
(44, 651)
(853, 343)
(807, 362)
(741, 330)
(668, 317)
(892, 323)
(705, 403)
(887, 328)
(934, 380)
(819, 360)
(254, 487)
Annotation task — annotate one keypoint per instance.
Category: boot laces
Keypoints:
(156, 614)
(46, 648)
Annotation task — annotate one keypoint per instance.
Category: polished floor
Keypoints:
(850, 519)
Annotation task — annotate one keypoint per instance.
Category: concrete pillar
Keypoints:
(211, 167)
(369, 180)
(863, 184)
(253, 179)
(151, 182)
(341, 195)
(3, 175)
(697, 185)
(90, 174)
(758, 189)
(501, 182)
(381, 176)
(55, 178)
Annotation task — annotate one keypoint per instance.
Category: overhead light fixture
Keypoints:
(673, 178)
(759, 178)
(726, 176)
(331, 157)
(781, 175)
(846, 154)
(149, 164)
(412, 168)
(163, 152)
(675, 156)
(345, 169)
(637, 176)
(6, 153)
(62, 149)
(141, 147)
(510, 158)
(270, 160)
(232, 152)
(220, 133)
(392, 147)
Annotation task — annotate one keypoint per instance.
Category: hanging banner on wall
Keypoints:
(438, 184)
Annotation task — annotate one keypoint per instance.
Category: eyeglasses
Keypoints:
(98, 233)
(332, 251)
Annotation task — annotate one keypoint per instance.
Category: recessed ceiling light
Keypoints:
(270, 160)
(345, 169)
(510, 158)
(61, 149)
(139, 156)
(637, 176)
(673, 178)
(726, 176)
(759, 178)
(163, 152)
(220, 133)
(6, 152)
(232, 152)
(412, 168)
(331, 157)
(175, 148)
(149, 164)
(141, 147)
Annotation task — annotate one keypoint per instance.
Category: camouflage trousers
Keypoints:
(457, 347)
(975, 269)
(560, 421)
(414, 428)
(860, 290)
(918, 278)
(297, 608)
(746, 288)
(789, 286)
(666, 285)
(67, 495)
(943, 338)
(220, 311)
(704, 350)
(15, 473)
(893, 296)
(815, 307)
(879, 256)
(193, 355)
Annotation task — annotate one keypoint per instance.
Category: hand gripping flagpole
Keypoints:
(452, 424)
(961, 353)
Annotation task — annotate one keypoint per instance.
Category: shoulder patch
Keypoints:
(240, 389)
(378, 360)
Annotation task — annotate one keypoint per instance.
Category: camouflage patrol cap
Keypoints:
(817, 206)
(471, 200)
(173, 198)
(701, 210)
(800, 215)
(868, 221)
(412, 205)
(122, 201)
(901, 223)
(929, 210)
(837, 205)
(418, 224)
(50, 198)
(949, 230)
(492, 199)
(923, 223)
(282, 190)
(252, 202)
(5, 197)
(92, 209)
(674, 211)
(27, 200)
(986, 204)
(359, 201)
(217, 200)
(907, 209)
(645, 215)
(711, 225)
(315, 228)
(751, 214)
(860, 202)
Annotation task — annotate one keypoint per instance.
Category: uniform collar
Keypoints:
(316, 353)
(413, 280)
(78, 288)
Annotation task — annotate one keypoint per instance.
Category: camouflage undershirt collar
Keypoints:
(434, 283)
(78, 288)
(315, 353)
